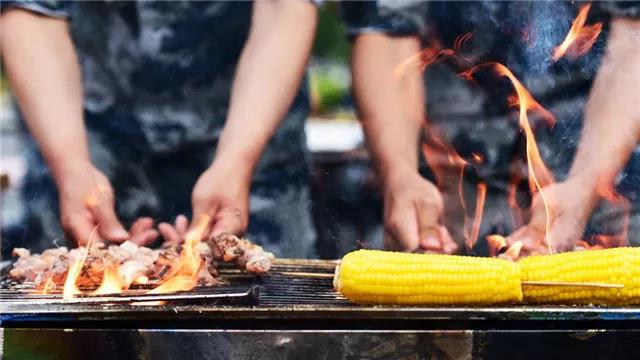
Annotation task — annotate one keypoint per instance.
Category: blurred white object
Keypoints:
(333, 135)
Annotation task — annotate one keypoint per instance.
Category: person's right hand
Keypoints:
(412, 211)
(87, 203)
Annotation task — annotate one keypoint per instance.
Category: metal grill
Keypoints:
(290, 282)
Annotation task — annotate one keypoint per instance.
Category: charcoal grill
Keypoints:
(289, 313)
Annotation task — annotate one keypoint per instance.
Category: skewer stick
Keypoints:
(306, 274)
(580, 284)
(529, 283)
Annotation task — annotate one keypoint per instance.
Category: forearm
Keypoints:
(612, 114)
(391, 107)
(42, 68)
(267, 78)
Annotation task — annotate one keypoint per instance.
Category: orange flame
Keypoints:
(517, 216)
(539, 175)
(70, 289)
(477, 217)
(111, 282)
(459, 43)
(49, 285)
(580, 37)
(608, 192)
(422, 60)
(184, 275)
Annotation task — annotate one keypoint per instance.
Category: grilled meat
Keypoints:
(247, 256)
(136, 264)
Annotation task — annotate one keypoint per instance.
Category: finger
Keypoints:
(228, 221)
(170, 235)
(517, 235)
(403, 230)
(80, 229)
(449, 246)
(428, 226)
(138, 226)
(109, 226)
(145, 237)
(181, 224)
(431, 243)
(201, 214)
(564, 234)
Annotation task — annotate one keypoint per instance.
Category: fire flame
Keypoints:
(580, 37)
(481, 195)
(49, 285)
(70, 289)
(516, 212)
(608, 192)
(111, 282)
(539, 175)
(116, 279)
(422, 60)
(184, 274)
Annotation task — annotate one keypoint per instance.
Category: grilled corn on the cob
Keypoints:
(613, 266)
(382, 277)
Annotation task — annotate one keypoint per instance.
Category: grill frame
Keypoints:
(279, 297)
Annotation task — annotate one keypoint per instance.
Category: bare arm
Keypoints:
(41, 65)
(391, 109)
(43, 70)
(610, 134)
(612, 115)
(267, 78)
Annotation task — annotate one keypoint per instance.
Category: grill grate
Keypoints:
(276, 288)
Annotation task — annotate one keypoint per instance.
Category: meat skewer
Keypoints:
(137, 264)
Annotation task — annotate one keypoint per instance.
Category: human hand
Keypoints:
(87, 203)
(570, 204)
(174, 234)
(412, 211)
(221, 194)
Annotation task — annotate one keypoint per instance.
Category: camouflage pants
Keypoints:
(159, 185)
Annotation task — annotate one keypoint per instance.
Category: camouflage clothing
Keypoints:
(157, 79)
(476, 118)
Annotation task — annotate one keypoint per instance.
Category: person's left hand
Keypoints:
(569, 204)
(221, 195)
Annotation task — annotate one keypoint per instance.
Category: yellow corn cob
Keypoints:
(611, 266)
(382, 277)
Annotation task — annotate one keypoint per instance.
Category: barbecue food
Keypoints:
(247, 255)
(53, 264)
(608, 266)
(136, 264)
(381, 277)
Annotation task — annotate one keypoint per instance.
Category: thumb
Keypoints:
(228, 221)
(79, 229)
(428, 229)
(401, 230)
(109, 227)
